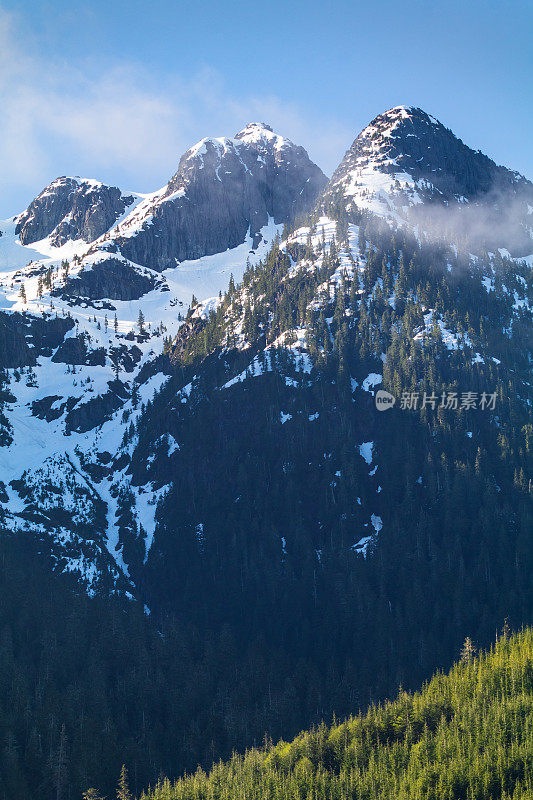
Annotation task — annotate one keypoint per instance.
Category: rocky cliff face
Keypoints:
(223, 188)
(71, 209)
(112, 279)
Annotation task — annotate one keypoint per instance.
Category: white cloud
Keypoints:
(113, 122)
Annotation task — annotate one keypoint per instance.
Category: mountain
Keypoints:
(226, 194)
(222, 208)
(190, 436)
(407, 165)
(278, 379)
(71, 209)
(448, 740)
(112, 376)
(223, 190)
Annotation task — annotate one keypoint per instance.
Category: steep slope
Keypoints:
(71, 209)
(466, 734)
(84, 327)
(407, 165)
(223, 189)
(275, 411)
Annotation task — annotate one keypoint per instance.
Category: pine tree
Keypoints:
(123, 789)
(468, 651)
(92, 794)
(114, 356)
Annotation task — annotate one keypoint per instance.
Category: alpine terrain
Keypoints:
(265, 454)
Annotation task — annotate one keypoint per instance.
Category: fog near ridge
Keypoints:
(495, 222)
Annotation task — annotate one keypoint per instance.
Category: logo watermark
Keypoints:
(451, 401)
(384, 400)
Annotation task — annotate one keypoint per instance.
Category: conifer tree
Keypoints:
(468, 651)
(123, 789)
(92, 794)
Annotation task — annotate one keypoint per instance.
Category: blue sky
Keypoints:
(117, 90)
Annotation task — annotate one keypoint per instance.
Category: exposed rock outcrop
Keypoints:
(223, 189)
(74, 350)
(112, 279)
(70, 209)
(24, 338)
(86, 416)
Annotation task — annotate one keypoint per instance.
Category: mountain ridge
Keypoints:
(229, 535)
(104, 281)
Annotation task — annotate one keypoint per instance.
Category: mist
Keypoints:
(501, 219)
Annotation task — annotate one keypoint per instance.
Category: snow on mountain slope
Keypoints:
(83, 323)
(407, 166)
(67, 409)
(72, 396)
(15, 255)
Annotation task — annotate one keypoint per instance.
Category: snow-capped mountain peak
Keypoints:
(263, 138)
(223, 190)
(255, 133)
(406, 165)
(255, 130)
(219, 144)
(71, 208)
(259, 133)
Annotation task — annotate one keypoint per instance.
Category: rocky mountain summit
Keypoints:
(70, 209)
(223, 190)
(408, 165)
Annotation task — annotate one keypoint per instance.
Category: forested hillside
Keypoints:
(467, 734)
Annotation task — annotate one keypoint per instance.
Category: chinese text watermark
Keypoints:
(449, 400)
